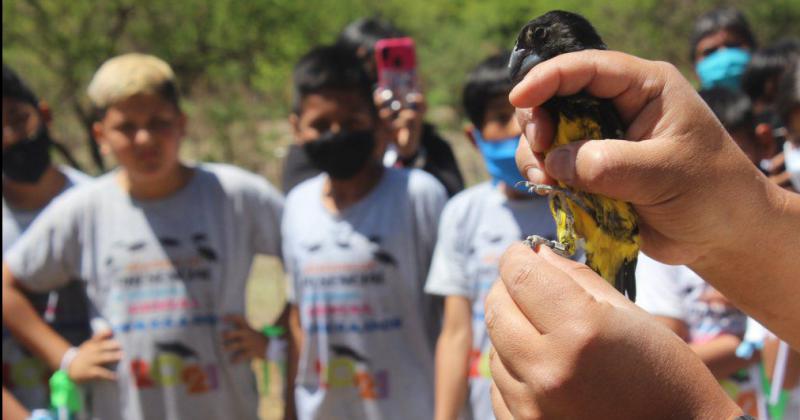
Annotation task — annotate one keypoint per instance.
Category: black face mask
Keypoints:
(27, 160)
(341, 155)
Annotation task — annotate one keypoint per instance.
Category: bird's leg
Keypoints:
(535, 240)
(550, 189)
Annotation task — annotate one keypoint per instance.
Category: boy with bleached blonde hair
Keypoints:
(165, 249)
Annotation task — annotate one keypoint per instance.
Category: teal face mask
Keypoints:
(499, 158)
(723, 67)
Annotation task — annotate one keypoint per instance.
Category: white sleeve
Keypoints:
(268, 209)
(446, 276)
(48, 254)
(658, 288)
(289, 263)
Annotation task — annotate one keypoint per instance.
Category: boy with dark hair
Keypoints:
(164, 248)
(477, 225)
(358, 241)
(720, 47)
(788, 107)
(413, 142)
(763, 73)
(30, 182)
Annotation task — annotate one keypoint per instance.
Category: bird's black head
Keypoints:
(553, 33)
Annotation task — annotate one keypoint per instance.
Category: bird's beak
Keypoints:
(522, 60)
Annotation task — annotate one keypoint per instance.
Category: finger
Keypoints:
(629, 81)
(642, 173)
(586, 278)
(518, 398)
(403, 137)
(237, 334)
(103, 334)
(530, 164)
(511, 333)
(110, 345)
(499, 406)
(546, 295)
(109, 357)
(538, 127)
(236, 319)
(97, 372)
(233, 344)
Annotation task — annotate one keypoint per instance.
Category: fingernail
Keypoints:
(560, 164)
(530, 132)
(535, 176)
(523, 115)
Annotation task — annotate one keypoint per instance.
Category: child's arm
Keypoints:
(295, 345)
(719, 355)
(452, 358)
(243, 342)
(27, 326)
(36, 335)
(12, 409)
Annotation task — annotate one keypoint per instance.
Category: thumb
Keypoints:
(103, 334)
(630, 171)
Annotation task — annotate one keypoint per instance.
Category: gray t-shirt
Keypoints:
(162, 274)
(357, 280)
(477, 226)
(65, 309)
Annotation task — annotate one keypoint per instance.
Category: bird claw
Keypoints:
(538, 188)
(545, 189)
(535, 240)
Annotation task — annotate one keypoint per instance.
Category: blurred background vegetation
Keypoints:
(234, 59)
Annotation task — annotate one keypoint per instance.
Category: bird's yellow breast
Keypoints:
(611, 234)
(576, 130)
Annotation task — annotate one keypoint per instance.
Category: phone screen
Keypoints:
(397, 69)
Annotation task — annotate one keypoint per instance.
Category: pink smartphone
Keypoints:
(397, 68)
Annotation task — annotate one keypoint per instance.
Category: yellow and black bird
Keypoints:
(609, 228)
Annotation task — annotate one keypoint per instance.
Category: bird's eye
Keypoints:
(539, 34)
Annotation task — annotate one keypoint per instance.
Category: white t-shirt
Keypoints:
(24, 375)
(677, 292)
(477, 226)
(357, 281)
(162, 273)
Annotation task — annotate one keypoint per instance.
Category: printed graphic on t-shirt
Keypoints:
(347, 368)
(349, 298)
(710, 313)
(159, 298)
(151, 289)
(175, 364)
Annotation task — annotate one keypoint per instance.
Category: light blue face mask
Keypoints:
(723, 67)
(499, 158)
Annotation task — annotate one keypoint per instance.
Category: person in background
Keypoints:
(476, 226)
(760, 82)
(12, 408)
(164, 248)
(414, 143)
(788, 107)
(721, 46)
(30, 183)
(358, 241)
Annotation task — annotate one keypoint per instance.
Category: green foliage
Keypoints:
(234, 58)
